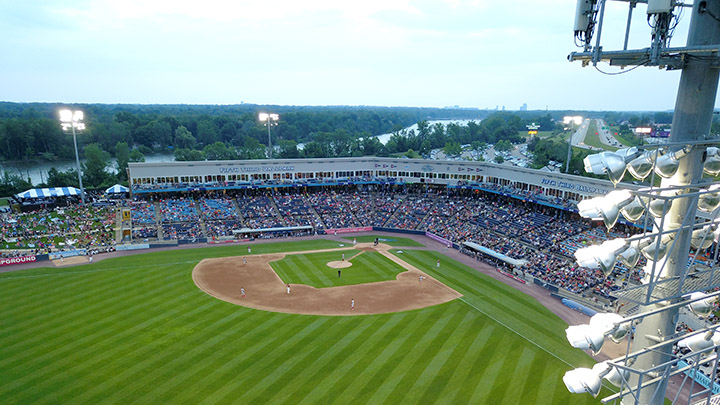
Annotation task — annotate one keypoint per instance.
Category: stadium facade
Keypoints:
(240, 174)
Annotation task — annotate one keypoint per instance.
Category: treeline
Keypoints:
(32, 131)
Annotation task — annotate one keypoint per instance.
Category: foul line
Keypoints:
(516, 332)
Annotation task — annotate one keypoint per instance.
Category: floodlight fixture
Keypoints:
(635, 209)
(658, 246)
(592, 336)
(660, 206)
(698, 342)
(572, 119)
(712, 162)
(611, 163)
(605, 208)
(630, 256)
(585, 337)
(709, 202)
(667, 165)
(702, 238)
(702, 307)
(601, 256)
(583, 380)
(641, 166)
(614, 375)
(611, 324)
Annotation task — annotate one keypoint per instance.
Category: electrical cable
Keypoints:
(623, 71)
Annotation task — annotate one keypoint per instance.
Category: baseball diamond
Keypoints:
(137, 328)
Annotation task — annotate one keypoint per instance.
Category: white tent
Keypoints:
(49, 192)
(116, 189)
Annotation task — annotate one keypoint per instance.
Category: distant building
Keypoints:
(523, 107)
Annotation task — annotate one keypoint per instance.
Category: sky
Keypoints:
(429, 53)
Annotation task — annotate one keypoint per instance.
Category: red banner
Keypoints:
(16, 260)
(348, 230)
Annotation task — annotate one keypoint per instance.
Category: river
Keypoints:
(36, 170)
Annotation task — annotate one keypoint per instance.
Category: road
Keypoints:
(606, 137)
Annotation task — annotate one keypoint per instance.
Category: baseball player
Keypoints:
(352, 304)
(242, 292)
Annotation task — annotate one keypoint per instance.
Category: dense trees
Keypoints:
(127, 132)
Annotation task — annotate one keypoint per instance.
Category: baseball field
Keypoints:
(139, 329)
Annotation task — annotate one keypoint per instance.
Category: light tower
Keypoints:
(73, 120)
(270, 119)
(669, 279)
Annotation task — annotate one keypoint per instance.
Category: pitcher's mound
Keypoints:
(339, 264)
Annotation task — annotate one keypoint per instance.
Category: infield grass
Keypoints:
(312, 269)
(137, 329)
(388, 240)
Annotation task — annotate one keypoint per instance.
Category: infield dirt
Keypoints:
(224, 277)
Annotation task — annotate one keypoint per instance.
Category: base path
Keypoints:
(223, 277)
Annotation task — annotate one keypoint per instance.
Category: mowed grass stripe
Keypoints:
(202, 359)
(462, 369)
(31, 322)
(263, 361)
(71, 319)
(149, 359)
(288, 270)
(528, 319)
(537, 371)
(434, 379)
(353, 358)
(265, 389)
(98, 346)
(419, 359)
(494, 368)
(516, 366)
(207, 317)
(495, 346)
(261, 372)
(354, 336)
(392, 361)
(221, 366)
(346, 379)
(306, 269)
(71, 323)
(383, 267)
(104, 370)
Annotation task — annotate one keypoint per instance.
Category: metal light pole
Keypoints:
(73, 119)
(267, 118)
(691, 122)
(576, 120)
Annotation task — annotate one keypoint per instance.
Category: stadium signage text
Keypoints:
(17, 260)
(573, 186)
(255, 169)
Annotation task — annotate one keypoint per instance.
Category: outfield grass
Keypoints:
(388, 240)
(137, 329)
(311, 269)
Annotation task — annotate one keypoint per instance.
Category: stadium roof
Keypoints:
(497, 255)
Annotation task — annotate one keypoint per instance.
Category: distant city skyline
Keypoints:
(434, 53)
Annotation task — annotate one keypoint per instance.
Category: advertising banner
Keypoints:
(9, 261)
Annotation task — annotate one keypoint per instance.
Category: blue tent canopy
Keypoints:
(49, 192)
(116, 189)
